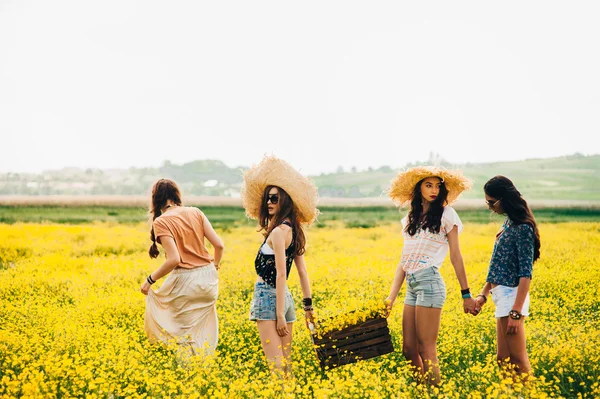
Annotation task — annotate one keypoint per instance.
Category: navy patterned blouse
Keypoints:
(512, 257)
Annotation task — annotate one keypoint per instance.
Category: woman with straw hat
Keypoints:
(430, 229)
(282, 200)
(183, 309)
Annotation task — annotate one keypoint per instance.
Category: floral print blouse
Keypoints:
(512, 257)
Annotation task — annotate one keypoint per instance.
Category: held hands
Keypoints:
(480, 300)
(471, 306)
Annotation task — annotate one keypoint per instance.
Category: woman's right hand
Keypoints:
(389, 303)
(282, 329)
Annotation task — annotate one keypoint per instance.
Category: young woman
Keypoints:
(516, 248)
(282, 200)
(430, 229)
(183, 309)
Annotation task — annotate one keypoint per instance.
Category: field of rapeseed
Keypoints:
(71, 318)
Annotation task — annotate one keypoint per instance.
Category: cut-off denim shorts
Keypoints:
(504, 298)
(263, 306)
(425, 288)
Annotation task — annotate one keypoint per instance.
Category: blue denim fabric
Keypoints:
(263, 306)
(425, 288)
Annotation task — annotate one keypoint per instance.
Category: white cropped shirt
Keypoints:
(426, 249)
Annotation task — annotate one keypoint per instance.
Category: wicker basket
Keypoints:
(361, 341)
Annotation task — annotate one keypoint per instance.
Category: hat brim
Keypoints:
(403, 185)
(272, 171)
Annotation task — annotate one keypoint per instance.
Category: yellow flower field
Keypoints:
(71, 318)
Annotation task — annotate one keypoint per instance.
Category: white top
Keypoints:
(426, 249)
(266, 249)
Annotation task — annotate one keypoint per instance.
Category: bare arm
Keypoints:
(303, 274)
(212, 237)
(396, 285)
(522, 292)
(173, 258)
(469, 304)
(277, 238)
(486, 289)
(305, 284)
(485, 292)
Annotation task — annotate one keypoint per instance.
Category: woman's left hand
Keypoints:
(145, 288)
(309, 317)
(514, 326)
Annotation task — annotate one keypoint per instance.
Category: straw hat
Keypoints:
(403, 185)
(273, 171)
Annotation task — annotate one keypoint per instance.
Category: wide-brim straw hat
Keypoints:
(403, 185)
(272, 171)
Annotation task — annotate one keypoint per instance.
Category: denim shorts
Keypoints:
(425, 288)
(504, 298)
(263, 306)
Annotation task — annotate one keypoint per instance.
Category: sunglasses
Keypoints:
(274, 198)
(491, 203)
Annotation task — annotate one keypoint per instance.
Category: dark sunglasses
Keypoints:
(491, 203)
(274, 198)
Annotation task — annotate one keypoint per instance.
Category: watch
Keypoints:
(515, 315)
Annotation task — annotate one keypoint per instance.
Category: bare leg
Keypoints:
(428, 327)
(273, 346)
(287, 350)
(516, 347)
(410, 345)
(501, 349)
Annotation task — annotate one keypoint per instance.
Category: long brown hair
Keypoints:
(433, 218)
(286, 211)
(162, 191)
(515, 206)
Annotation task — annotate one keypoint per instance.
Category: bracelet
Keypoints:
(515, 315)
(308, 308)
(150, 280)
(465, 291)
(483, 296)
(307, 302)
(466, 296)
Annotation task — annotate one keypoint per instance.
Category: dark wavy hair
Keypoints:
(433, 217)
(162, 191)
(502, 188)
(286, 211)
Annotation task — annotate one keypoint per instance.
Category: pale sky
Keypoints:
(321, 84)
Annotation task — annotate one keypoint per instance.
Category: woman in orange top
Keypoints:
(183, 308)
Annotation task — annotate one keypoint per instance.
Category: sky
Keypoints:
(322, 84)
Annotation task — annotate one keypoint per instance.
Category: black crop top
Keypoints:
(264, 264)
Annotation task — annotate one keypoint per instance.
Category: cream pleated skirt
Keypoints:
(183, 310)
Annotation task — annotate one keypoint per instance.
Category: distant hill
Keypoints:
(573, 177)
